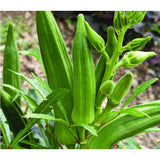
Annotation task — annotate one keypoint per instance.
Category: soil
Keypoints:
(141, 73)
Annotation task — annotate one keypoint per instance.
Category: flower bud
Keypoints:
(134, 17)
(96, 41)
(134, 58)
(107, 87)
(126, 19)
(138, 43)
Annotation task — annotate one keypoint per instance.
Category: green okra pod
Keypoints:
(11, 62)
(121, 89)
(13, 114)
(83, 77)
(58, 67)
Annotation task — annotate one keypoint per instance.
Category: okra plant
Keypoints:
(65, 111)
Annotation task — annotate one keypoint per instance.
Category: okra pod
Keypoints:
(83, 77)
(58, 67)
(11, 62)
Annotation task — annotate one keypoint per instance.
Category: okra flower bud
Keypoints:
(134, 58)
(106, 88)
(134, 17)
(95, 40)
(126, 19)
(138, 43)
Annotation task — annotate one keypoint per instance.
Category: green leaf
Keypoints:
(33, 145)
(62, 110)
(21, 92)
(135, 112)
(43, 83)
(34, 84)
(151, 130)
(124, 126)
(89, 128)
(43, 108)
(6, 126)
(132, 143)
(121, 145)
(34, 95)
(140, 89)
(35, 54)
(4, 132)
(46, 117)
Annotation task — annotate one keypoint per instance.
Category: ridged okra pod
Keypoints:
(58, 67)
(11, 61)
(83, 77)
(13, 114)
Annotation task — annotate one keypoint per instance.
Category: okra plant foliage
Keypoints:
(65, 111)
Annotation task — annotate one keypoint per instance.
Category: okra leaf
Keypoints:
(6, 126)
(34, 145)
(46, 117)
(135, 112)
(21, 92)
(43, 108)
(34, 84)
(89, 128)
(43, 83)
(35, 54)
(124, 126)
(140, 89)
(35, 96)
(4, 132)
(151, 130)
(121, 145)
(59, 104)
(132, 144)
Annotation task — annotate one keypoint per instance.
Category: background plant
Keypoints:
(102, 129)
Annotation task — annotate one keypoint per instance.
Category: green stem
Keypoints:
(81, 132)
(102, 116)
(110, 66)
(4, 134)
(49, 131)
(71, 146)
(42, 134)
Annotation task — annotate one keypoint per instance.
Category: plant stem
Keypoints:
(111, 65)
(61, 146)
(104, 113)
(42, 134)
(81, 132)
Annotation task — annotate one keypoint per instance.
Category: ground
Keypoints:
(29, 64)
